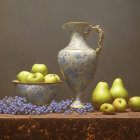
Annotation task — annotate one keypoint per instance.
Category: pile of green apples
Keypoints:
(38, 74)
(115, 99)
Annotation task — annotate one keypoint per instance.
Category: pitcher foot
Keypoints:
(77, 104)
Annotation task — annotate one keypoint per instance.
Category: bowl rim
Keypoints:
(39, 83)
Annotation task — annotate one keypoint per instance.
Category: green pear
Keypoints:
(101, 94)
(107, 108)
(134, 103)
(118, 90)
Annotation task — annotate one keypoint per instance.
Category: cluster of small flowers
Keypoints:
(20, 106)
(87, 108)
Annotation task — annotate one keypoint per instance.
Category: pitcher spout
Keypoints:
(75, 27)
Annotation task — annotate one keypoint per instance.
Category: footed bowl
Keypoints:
(37, 93)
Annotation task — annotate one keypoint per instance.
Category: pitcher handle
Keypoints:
(101, 36)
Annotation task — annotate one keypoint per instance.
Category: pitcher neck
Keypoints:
(76, 30)
(77, 38)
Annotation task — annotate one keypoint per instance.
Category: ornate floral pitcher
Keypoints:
(78, 61)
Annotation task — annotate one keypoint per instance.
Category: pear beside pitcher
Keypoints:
(78, 61)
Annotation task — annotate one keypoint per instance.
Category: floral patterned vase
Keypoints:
(78, 61)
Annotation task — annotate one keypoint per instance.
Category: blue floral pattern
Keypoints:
(38, 94)
(63, 60)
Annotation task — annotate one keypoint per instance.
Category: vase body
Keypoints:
(77, 61)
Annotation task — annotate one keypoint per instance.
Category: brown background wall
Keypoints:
(30, 32)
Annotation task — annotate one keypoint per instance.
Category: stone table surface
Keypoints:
(55, 126)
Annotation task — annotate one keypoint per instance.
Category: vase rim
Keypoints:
(71, 23)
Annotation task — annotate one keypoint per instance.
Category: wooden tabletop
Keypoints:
(128, 114)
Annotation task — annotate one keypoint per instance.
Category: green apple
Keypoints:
(120, 104)
(134, 103)
(58, 78)
(101, 95)
(39, 68)
(107, 108)
(118, 90)
(22, 75)
(33, 78)
(51, 78)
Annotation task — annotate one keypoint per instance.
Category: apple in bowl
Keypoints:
(22, 76)
(41, 68)
(37, 77)
(52, 78)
